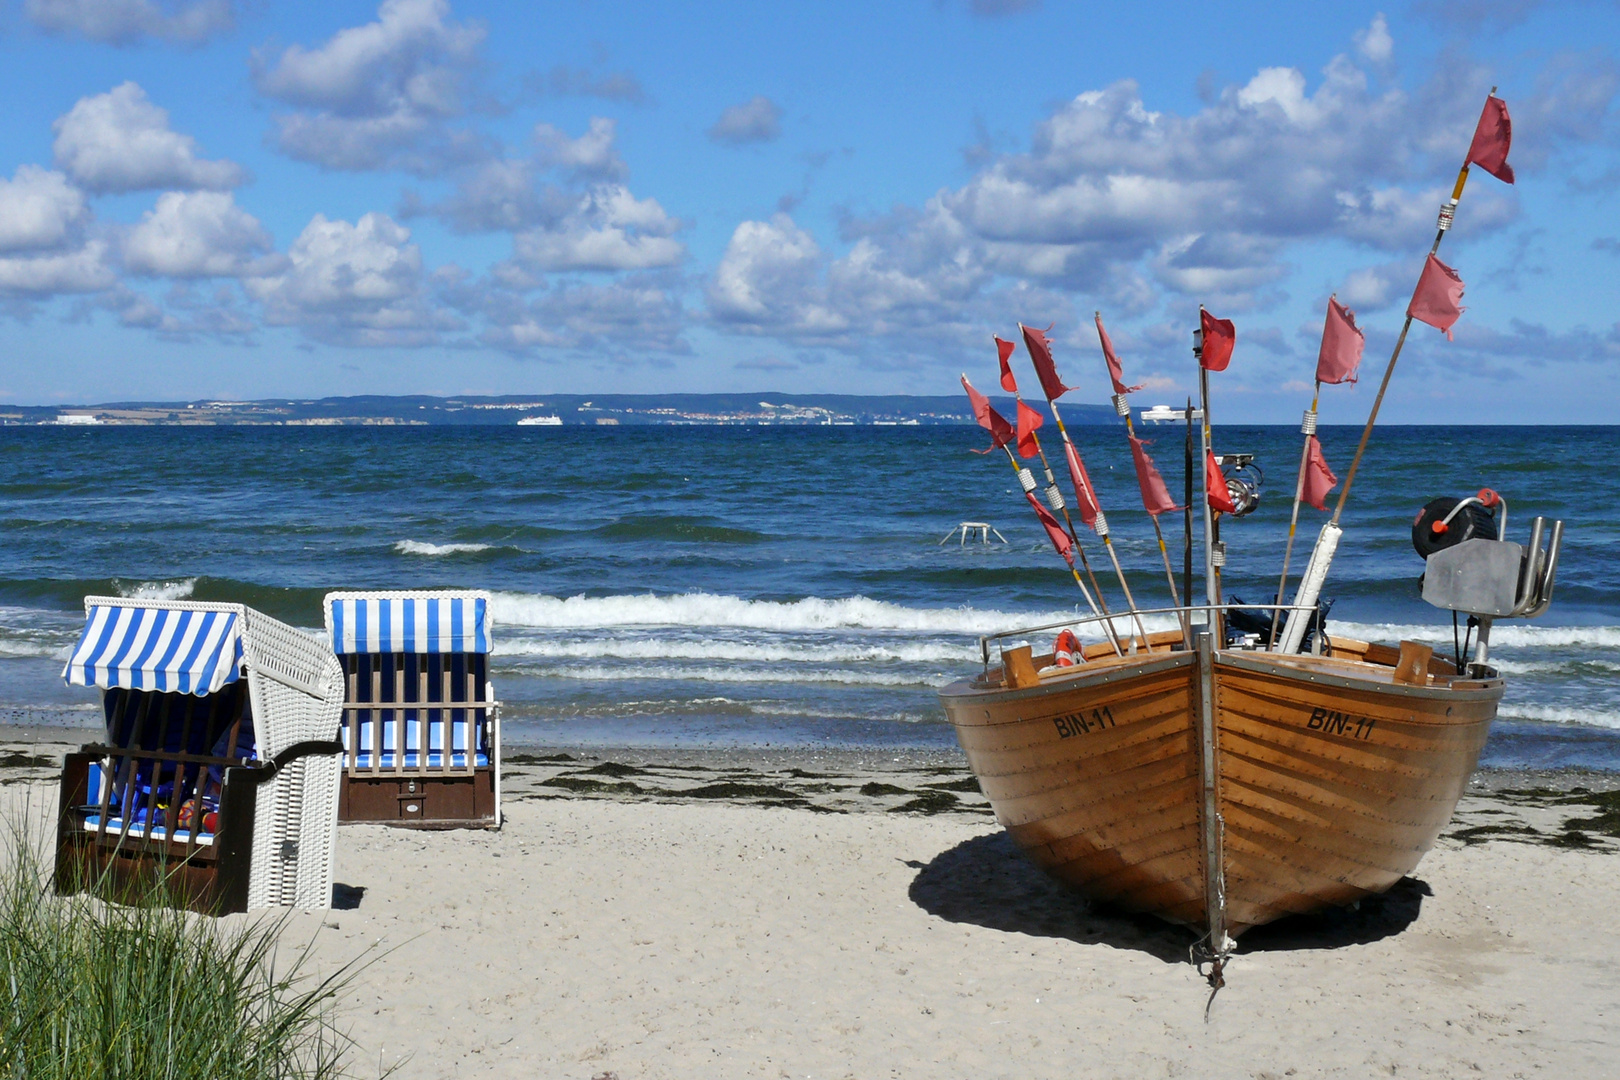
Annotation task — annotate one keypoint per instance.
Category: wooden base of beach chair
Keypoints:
(465, 801)
(210, 879)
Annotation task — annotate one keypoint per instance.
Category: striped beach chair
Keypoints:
(421, 734)
(221, 762)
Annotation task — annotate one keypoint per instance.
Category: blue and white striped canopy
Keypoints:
(141, 647)
(408, 623)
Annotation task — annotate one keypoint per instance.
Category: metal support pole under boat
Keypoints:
(1211, 826)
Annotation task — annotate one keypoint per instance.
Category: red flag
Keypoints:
(1219, 337)
(1040, 351)
(1084, 495)
(1342, 342)
(1492, 137)
(1028, 421)
(1116, 374)
(1318, 479)
(1054, 531)
(1008, 383)
(1437, 299)
(1156, 498)
(1215, 480)
(1001, 432)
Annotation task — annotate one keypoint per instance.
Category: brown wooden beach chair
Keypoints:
(219, 771)
(421, 726)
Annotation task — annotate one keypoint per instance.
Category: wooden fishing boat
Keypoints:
(1178, 781)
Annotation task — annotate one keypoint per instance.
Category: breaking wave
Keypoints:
(776, 651)
(158, 590)
(417, 547)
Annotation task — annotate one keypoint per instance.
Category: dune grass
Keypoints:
(141, 991)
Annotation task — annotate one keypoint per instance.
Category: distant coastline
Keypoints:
(537, 410)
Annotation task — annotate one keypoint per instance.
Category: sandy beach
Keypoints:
(659, 914)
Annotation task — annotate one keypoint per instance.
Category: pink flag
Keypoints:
(1156, 498)
(1492, 138)
(1085, 496)
(1116, 374)
(1318, 479)
(1040, 351)
(1219, 338)
(1028, 421)
(1001, 432)
(1215, 481)
(1342, 342)
(1437, 300)
(1054, 531)
(1008, 383)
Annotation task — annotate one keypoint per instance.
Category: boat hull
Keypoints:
(1330, 779)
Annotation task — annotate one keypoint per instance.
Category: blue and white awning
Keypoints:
(140, 647)
(408, 623)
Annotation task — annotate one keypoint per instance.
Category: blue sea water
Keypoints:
(728, 586)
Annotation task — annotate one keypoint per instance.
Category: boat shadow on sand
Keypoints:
(987, 882)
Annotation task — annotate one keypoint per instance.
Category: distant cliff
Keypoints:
(544, 410)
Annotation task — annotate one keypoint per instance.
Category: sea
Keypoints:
(757, 586)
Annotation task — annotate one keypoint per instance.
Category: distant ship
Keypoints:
(540, 421)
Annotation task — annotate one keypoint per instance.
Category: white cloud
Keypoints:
(625, 319)
(124, 22)
(119, 141)
(199, 234)
(359, 284)
(608, 229)
(39, 209)
(381, 95)
(758, 119)
(1375, 43)
(767, 278)
(83, 270)
(592, 155)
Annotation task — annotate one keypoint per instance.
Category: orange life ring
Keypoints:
(1066, 650)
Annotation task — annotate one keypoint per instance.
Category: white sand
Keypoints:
(658, 940)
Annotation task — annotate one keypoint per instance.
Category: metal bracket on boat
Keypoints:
(1496, 578)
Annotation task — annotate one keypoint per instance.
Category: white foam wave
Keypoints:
(1570, 666)
(1502, 635)
(716, 610)
(417, 547)
(159, 590)
(774, 651)
(680, 673)
(1560, 714)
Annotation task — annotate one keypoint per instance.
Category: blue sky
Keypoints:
(212, 199)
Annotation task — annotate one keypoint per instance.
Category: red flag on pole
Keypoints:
(1438, 297)
(1083, 494)
(1342, 342)
(1156, 498)
(1054, 531)
(1219, 337)
(1492, 138)
(1008, 383)
(1001, 432)
(1028, 421)
(1215, 481)
(1040, 351)
(1116, 373)
(1319, 479)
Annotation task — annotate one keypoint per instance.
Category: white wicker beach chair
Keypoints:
(221, 763)
(421, 734)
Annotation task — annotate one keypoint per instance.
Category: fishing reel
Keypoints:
(1243, 482)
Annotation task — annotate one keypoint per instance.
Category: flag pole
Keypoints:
(1212, 564)
(1054, 499)
(1308, 427)
(1187, 523)
(1101, 526)
(1328, 542)
(1123, 408)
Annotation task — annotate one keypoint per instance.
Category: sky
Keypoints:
(232, 199)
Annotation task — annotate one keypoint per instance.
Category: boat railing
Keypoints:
(1184, 616)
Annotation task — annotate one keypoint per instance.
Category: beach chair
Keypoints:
(421, 733)
(220, 767)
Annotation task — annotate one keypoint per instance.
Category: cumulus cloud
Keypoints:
(757, 120)
(607, 229)
(125, 22)
(1375, 43)
(625, 318)
(380, 96)
(196, 234)
(83, 270)
(353, 284)
(39, 209)
(119, 141)
(592, 156)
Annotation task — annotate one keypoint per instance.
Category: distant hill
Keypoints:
(544, 410)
